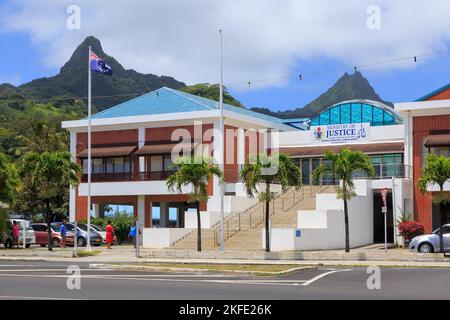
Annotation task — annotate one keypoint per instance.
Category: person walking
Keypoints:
(15, 233)
(63, 233)
(132, 233)
(109, 234)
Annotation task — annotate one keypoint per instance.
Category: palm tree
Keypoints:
(50, 174)
(196, 172)
(436, 171)
(277, 168)
(343, 165)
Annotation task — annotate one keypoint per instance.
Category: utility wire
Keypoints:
(300, 77)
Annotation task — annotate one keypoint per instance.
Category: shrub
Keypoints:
(410, 229)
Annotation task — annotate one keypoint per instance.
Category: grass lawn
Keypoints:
(253, 268)
(88, 253)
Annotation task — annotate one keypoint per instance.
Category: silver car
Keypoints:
(428, 243)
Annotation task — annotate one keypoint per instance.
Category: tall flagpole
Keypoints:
(88, 243)
(222, 151)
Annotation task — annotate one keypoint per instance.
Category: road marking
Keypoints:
(160, 279)
(320, 276)
(48, 270)
(36, 298)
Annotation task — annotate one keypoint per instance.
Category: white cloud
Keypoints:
(262, 39)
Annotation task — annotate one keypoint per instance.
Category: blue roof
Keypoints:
(435, 92)
(166, 100)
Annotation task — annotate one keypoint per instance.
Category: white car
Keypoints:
(30, 238)
(429, 243)
(102, 232)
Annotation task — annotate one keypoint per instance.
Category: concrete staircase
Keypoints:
(243, 230)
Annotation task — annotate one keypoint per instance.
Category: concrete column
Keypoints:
(96, 210)
(241, 147)
(148, 215)
(164, 214)
(72, 191)
(141, 142)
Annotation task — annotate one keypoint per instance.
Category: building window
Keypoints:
(356, 113)
(168, 163)
(109, 165)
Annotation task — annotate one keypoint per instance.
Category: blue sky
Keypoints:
(36, 45)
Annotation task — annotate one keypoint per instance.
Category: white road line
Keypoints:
(160, 279)
(47, 270)
(320, 276)
(35, 298)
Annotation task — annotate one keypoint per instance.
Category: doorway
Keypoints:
(378, 218)
(439, 219)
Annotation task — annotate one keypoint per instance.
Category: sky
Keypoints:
(268, 43)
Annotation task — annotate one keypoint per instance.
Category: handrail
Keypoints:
(231, 217)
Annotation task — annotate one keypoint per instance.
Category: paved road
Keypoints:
(44, 280)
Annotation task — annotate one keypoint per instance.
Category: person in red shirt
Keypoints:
(109, 234)
(15, 233)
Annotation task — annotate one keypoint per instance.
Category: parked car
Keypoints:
(428, 243)
(40, 231)
(96, 238)
(29, 232)
(102, 232)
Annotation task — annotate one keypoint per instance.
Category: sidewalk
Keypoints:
(126, 254)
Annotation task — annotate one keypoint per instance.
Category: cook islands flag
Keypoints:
(99, 65)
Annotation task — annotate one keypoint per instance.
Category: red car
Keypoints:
(41, 234)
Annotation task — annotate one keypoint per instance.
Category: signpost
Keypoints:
(75, 240)
(384, 211)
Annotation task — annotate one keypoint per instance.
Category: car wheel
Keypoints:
(55, 243)
(81, 242)
(43, 245)
(27, 245)
(425, 248)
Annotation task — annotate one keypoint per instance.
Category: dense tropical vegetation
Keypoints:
(49, 175)
(269, 169)
(195, 172)
(8, 184)
(342, 166)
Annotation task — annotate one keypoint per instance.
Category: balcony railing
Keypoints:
(388, 171)
(127, 176)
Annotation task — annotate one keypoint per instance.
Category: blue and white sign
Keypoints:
(298, 233)
(340, 133)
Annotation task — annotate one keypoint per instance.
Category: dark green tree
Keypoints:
(212, 91)
(437, 172)
(277, 168)
(49, 174)
(196, 172)
(343, 166)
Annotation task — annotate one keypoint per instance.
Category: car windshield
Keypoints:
(82, 226)
(98, 228)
